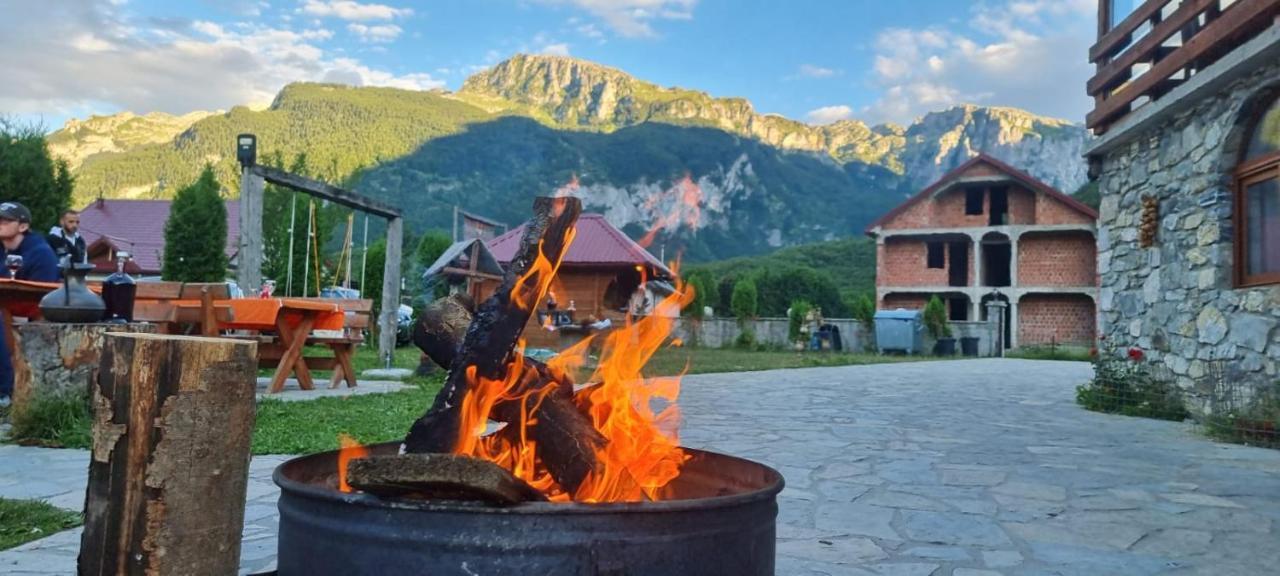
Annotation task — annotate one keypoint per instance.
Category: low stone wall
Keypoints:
(720, 332)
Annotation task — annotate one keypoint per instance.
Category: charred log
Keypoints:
(439, 477)
(492, 335)
(567, 439)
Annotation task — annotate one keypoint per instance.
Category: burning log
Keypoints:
(491, 337)
(439, 477)
(566, 437)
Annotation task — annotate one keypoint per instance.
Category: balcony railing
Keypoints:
(1162, 44)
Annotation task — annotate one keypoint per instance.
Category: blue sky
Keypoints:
(805, 59)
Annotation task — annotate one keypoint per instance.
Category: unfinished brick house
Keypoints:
(988, 231)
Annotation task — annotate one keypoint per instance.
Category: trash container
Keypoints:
(899, 330)
(969, 345)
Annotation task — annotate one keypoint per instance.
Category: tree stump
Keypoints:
(173, 419)
(55, 360)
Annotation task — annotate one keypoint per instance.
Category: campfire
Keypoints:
(518, 467)
(602, 442)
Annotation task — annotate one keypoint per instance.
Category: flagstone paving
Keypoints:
(966, 468)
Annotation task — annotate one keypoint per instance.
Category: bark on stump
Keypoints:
(173, 419)
(59, 360)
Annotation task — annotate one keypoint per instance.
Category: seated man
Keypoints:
(38, 263)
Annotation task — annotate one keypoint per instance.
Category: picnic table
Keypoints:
(294, 321)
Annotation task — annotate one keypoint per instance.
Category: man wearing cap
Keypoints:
(38, 263)
(65, 238)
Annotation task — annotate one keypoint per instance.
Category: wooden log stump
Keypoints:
(173, 419)
(59, 360)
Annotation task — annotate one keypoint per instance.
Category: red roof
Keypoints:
(1026, 179)
(137, 226)
(596, 243)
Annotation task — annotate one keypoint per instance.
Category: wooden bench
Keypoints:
(172, 304)
(357, 317)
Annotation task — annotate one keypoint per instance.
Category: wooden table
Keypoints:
(21, 298)
(293, 320)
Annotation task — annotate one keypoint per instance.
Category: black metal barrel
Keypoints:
(721, 520)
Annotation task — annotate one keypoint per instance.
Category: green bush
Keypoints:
(57, 421)
(746, 340)
(935, 318)
(1124, 384)
(863, 309)
(1251, 418)
(799, 309)
(779, 286)
(744, 302)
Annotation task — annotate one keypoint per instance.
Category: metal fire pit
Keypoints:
(720, 519)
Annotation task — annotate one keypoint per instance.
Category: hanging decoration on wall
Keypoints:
(1150, 222)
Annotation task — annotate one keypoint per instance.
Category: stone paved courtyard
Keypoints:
(964, 468)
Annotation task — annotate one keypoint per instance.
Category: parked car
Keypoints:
(404, 325)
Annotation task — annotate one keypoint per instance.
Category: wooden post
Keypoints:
(173, 419)
(390, 290)
(249, 266)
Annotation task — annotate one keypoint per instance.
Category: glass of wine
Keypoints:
(14, 263)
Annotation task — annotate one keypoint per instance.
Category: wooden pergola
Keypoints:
(253, 179)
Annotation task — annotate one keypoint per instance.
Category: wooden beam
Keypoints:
(390, 290)
(1226, 28)
(1143, 50)
(473, 273)
(322, 190)
(249, 259)
(172, 423)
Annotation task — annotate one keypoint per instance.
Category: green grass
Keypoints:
(54, 422)
(22, 521)
(671, 361)
(1069, 353)
(314, 425)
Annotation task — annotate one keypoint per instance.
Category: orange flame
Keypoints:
(641, 454)
(685, 198)
(349, 450)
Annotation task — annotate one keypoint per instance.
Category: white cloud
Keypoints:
(350, 10)
(811, 71)
(113, 62)
(632, 18)
(829, 114)
(378, 33)
(1004, 56)
(559, 49)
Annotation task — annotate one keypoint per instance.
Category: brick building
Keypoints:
(1187, 161)
(989, 231)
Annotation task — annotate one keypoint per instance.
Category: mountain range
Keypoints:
(724, 179)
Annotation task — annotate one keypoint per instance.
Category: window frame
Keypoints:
(1261, 169)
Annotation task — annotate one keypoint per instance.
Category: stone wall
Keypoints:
(719, 332)
(1177, 299)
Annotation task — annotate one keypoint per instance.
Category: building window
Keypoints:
(973, 201)
(1257, 203)
(934, 258)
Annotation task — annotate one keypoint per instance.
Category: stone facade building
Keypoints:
(988, 231)
(1187, 162)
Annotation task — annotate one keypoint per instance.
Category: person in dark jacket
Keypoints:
(38, 263)
(65, 238)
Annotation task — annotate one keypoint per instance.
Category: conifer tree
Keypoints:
(29, 175)
(195, 235)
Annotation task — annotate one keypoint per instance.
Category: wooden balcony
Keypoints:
(1162, 44)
